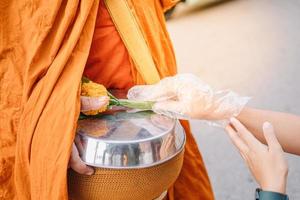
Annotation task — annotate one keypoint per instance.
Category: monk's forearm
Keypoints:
(287, 127)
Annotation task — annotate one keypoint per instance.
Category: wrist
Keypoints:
(278, 186)
(272, 188)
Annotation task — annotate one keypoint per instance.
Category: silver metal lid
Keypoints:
(129, 140)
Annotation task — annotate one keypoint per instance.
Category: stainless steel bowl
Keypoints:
(129, 140)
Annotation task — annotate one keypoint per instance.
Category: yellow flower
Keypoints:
(92, 89)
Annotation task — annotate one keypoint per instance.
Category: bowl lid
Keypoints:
(126, 127)
(125, 140)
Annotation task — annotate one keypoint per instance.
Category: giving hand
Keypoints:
(185, 96)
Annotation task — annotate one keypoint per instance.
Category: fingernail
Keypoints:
(232, 120)
(90, 172)
(267, 125)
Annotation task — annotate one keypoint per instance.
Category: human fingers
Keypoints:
(245, 135)
(270, 136)
(158, 92)
(93, 103)
(168, 88)
(77, 164)
(78, 143)
(237, 141)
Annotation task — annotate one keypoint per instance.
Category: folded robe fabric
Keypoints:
(44, 47)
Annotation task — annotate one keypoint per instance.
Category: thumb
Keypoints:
(173, 109)
(139, 92)
(270, 136)
(77, 164)
(93, 103)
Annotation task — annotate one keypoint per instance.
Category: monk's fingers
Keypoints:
(93, 103)
(77, 164)
(270, 136)
(238, 142)
(78, 143)
(244, 134)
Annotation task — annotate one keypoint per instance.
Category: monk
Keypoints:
(44, 51)
(115, 62)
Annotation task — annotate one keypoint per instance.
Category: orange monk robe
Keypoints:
(110, 64)
(43, 51)
(44, 46)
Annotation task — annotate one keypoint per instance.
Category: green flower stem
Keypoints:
(142, 105)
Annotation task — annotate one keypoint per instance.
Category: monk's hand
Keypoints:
(93, 103)
(77, 164)
(94, 97)
(266, 162)
(185, 96)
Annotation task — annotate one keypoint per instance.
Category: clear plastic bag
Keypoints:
(185, 96)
